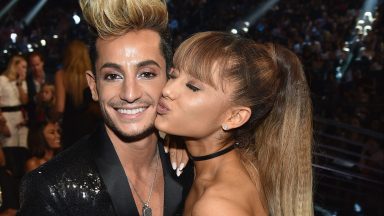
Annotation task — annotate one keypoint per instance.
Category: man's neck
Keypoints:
(135, 155)
(39, 77)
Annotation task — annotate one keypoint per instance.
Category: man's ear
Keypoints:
(91, 80)
(236, 117)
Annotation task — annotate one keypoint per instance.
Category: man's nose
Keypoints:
(131, 90)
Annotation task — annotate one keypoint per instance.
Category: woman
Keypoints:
(73, 99)
(44, 143)
(4, 130)
(244, 112)
(13, 95)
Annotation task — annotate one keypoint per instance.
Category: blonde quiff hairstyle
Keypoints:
(114, 18)
(275, 143)
(117, 17)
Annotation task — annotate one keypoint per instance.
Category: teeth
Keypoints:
(131, 111)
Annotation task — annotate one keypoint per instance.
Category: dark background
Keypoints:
(346, 79)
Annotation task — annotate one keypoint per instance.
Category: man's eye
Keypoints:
(192, 87)
(147, 75)
(112, 77)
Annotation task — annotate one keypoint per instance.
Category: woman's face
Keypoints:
(21, 70)
(191, 108)
(51, 134)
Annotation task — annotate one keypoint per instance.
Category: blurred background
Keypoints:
(340, 43)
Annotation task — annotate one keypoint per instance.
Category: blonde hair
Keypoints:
(11, 71)
(52, 88)
(117, 17)
(46, 108)
(276, 141)
(76, 62)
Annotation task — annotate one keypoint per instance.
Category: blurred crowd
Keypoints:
(345, 78)
(40, 105)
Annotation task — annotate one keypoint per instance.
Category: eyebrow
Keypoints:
(138, 65)
(147, 62)
(110, 65)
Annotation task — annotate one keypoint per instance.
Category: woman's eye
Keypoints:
(147, 75)
(192, 87)
(112, 77)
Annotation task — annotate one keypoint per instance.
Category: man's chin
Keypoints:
(132, 136)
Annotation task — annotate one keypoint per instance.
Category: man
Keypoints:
(35, 79)
(38, 75)
(121, 169)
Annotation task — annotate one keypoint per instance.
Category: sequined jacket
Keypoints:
(88, 179)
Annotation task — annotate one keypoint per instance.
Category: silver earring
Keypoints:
(225, 127)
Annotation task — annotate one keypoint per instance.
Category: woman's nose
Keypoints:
(169, 89)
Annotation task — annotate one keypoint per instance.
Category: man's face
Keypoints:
(37, 65)
(130, 75)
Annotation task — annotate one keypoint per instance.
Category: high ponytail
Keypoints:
(283, 140)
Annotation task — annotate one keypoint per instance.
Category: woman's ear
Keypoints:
(91, 80)
(236, 117)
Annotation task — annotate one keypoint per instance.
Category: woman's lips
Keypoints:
(162, 108)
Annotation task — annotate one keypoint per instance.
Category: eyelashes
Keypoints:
(192, 87)
(146, 75)
(111, 77)
(174, 74)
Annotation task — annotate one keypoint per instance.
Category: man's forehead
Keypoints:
(36, 59)
(136, 45)
(132, 38)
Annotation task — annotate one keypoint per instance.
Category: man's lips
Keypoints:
(162, 107)
(131, 111)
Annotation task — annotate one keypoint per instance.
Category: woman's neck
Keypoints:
(48, 154)
(209, 167)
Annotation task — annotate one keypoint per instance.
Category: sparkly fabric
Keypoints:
(67, 185)
(88, 179)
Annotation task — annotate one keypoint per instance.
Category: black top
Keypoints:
(79, 120)
(88, 179)
(8, 189)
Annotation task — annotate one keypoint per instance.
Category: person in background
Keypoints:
(244, 112)
(36, 77)
(8, 189)
(9, 202)
(45, 103)
(44, 144)
(13, 96)
(4, 132)
(73, 98)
